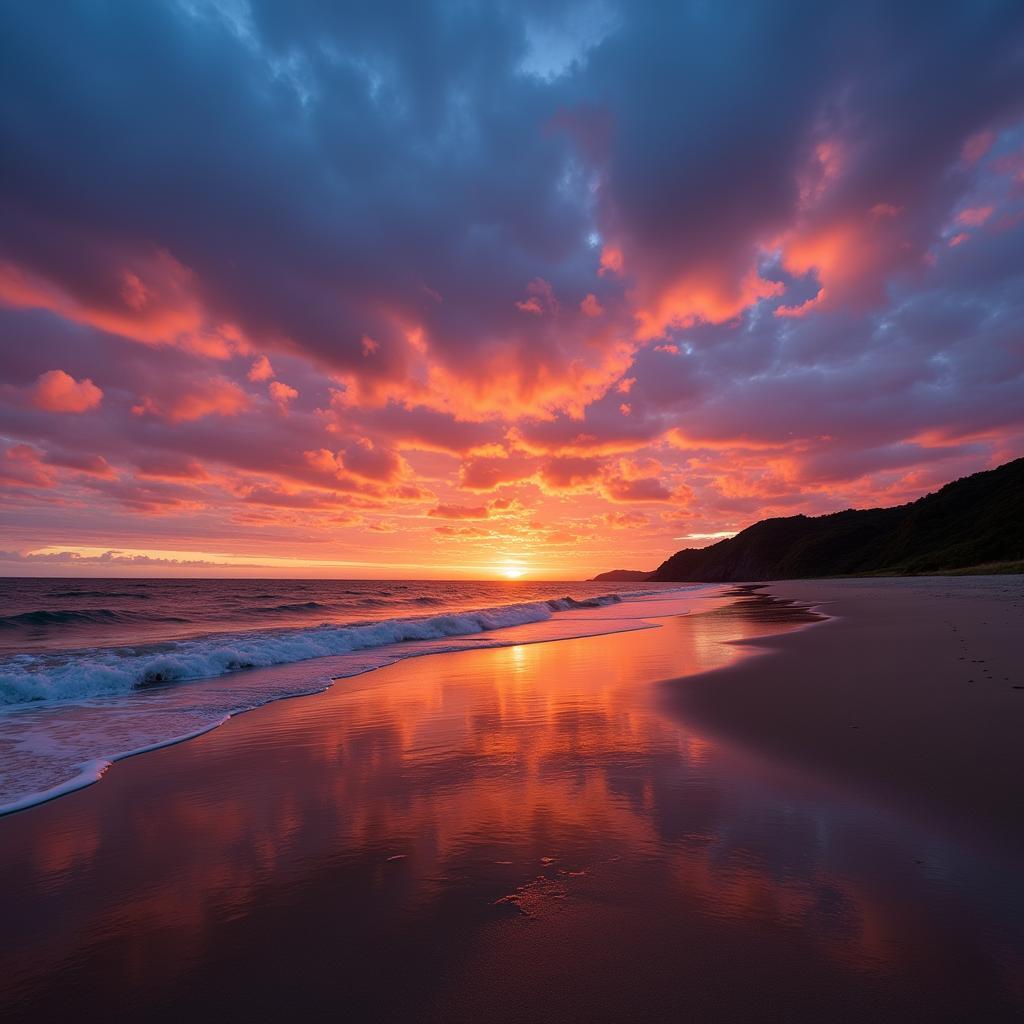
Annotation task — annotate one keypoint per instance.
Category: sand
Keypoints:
(645, 826)
(914, 691)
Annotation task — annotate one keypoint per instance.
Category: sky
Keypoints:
(464, 289)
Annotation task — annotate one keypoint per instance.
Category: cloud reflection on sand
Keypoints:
(462, 822)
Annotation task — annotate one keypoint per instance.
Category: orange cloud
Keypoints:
(849, 256)
(460, 512)
(709, 296)
(624, 520)
(57, 391)
(153, 302)
(590, 306)
(804, 308)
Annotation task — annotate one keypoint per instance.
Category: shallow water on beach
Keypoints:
(518, 834)
(157, 676)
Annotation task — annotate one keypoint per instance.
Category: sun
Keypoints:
(512, 571)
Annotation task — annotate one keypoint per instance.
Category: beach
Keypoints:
(795, 802)
(914, 692)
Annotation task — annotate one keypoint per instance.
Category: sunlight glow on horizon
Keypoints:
(86, 560)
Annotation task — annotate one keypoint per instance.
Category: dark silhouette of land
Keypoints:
(975, 525)
(622, 576)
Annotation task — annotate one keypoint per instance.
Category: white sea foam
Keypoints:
(76, 675)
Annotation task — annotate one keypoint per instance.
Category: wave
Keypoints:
(100, 593)
(565, 604)
(298, 606)
(25, 678)
(80, 616)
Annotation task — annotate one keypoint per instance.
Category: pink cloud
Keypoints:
(215, 397)
(974, 216)
(57, 391)
(261, 370)
(281, 395)
(611, 260)
(21, 465)
(153, 302)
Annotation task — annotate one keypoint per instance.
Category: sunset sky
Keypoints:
(458, 289)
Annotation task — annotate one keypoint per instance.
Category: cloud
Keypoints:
(460, 512)
(261, 369)
(642, 489)
(217, 396)
(281, 395)
(57, 391)
(510, 255)
(21, 465)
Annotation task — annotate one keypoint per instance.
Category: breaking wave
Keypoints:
(112, 671)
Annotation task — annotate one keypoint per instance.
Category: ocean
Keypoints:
(93, 670)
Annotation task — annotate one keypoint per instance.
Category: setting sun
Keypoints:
(512, 571)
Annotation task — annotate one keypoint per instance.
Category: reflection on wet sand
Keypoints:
(520, 833)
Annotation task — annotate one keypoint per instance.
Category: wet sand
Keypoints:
(914, 692)
(532, 833)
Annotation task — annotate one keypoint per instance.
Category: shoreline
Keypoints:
(320, 674)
